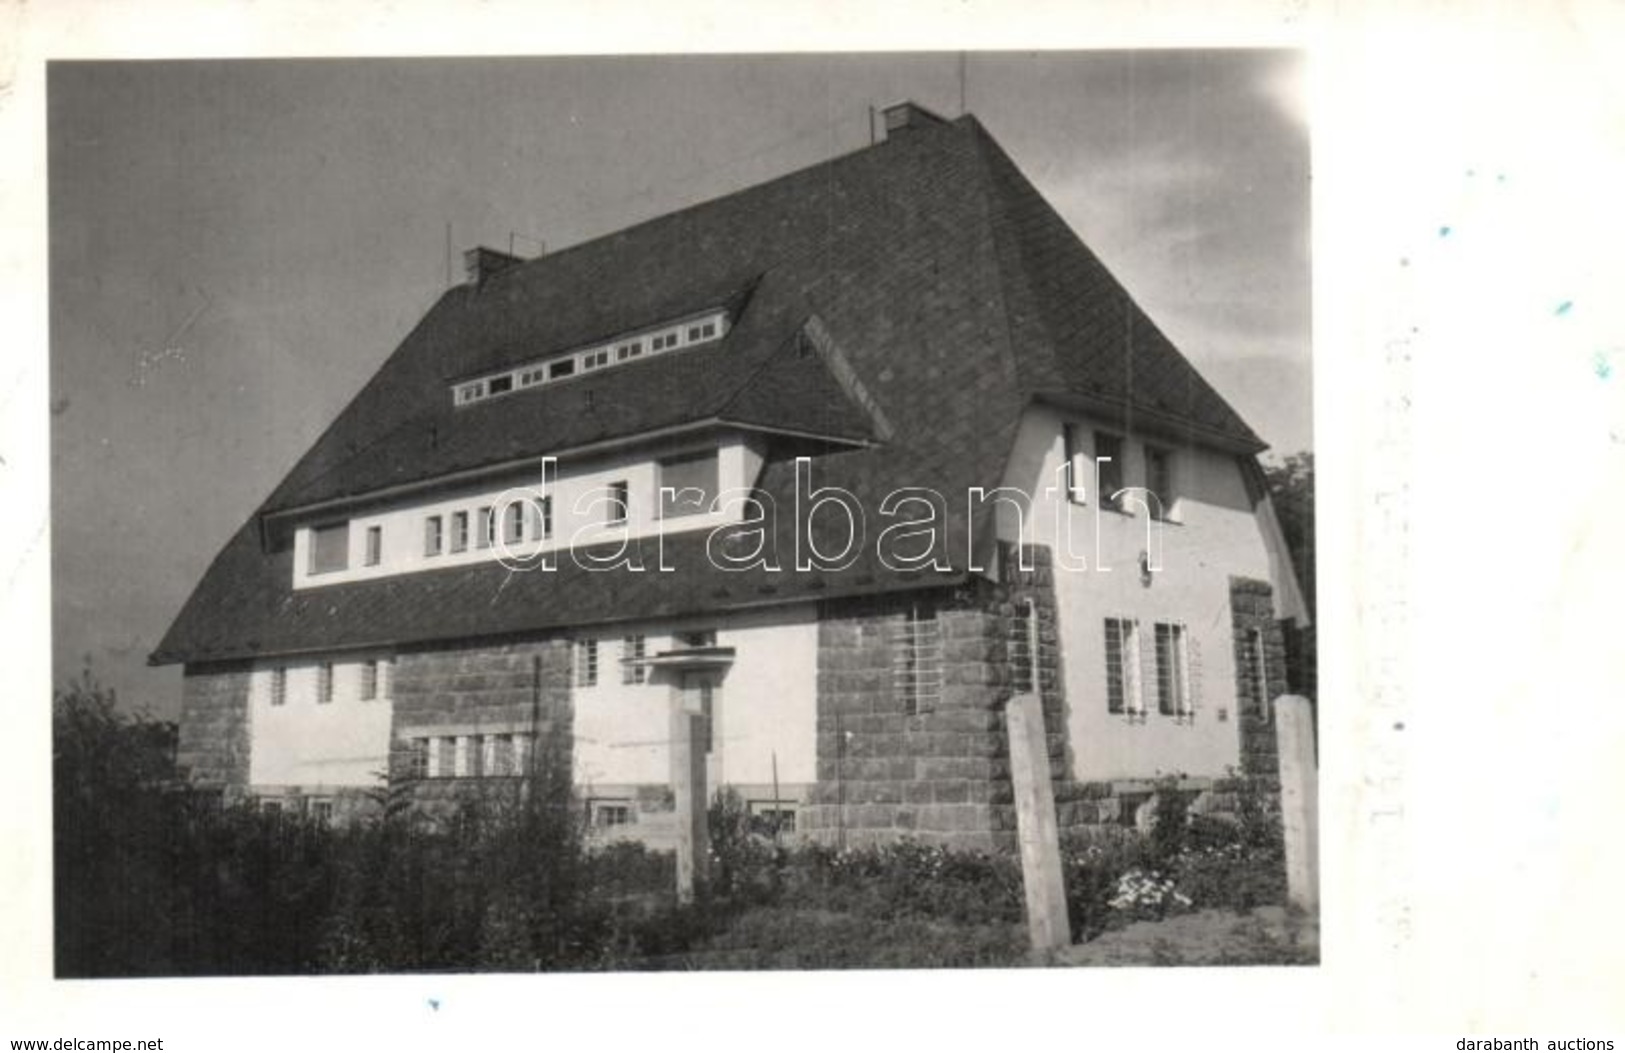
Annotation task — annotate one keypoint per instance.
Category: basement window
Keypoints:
(611, 813)
(329, 548)
(917, 661)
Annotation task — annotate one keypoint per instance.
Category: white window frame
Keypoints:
(1179, 677)
(587, 663)
(1128, 649)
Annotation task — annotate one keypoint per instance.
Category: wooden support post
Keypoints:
(1300, 799)
(689, 790)
(1036, 828)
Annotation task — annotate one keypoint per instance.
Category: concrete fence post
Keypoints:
(1300, 798)
(689, 795)
(1036, 828)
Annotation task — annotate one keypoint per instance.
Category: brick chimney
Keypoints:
(480, 263)
(909, 116)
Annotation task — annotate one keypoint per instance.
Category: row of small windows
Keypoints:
(1108, 455)
(471, 756)
(766, 817)
(626, 349)
(372, 680)
(687, 485)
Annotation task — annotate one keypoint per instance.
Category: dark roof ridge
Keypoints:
(805, 171)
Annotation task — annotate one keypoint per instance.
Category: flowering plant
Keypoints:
(1148, 895)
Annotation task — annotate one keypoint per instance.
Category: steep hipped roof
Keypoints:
(908, 299)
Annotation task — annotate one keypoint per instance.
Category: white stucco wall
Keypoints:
(303, 742)
(1215, 535)
(765, 706)
(579, 492)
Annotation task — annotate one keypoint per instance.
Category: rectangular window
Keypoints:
(586, 663)
(1073, 476)
(1109, 465)
(1260, 671)
(1123, 668)
(369, 680)
(633, 670)
(459, 531)
(611, 813)
(917, 661)
(1173, 672)
(626, 351)
(329, 548)
(433, 528)
(696, 638)
(418, 759)
(771, 818)
(513, 517)
(544, 518)
(1159, 479)
(321, 810)
(386, 677)
(485, 528)
(619, 503)
(501, 755)
(501, 385)
(444, 756)
(375, 545)
(562, 368)
(324, 683)
(279, 687)
(688, 485)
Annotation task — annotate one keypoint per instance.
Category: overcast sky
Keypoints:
(236, 247)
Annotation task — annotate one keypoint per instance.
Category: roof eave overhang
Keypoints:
(1150, 421)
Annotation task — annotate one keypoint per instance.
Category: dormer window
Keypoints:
(688, 485)
(702, 328)
(329, 548)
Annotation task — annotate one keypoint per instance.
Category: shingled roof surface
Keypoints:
(950, 290)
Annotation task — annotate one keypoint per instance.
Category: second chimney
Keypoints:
(480, 263)
(909, 116)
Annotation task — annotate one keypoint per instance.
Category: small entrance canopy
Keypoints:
(691, 659)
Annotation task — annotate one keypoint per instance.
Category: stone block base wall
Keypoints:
(213, 747)
(1252, 607)
(934, 769)
(482, 688)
